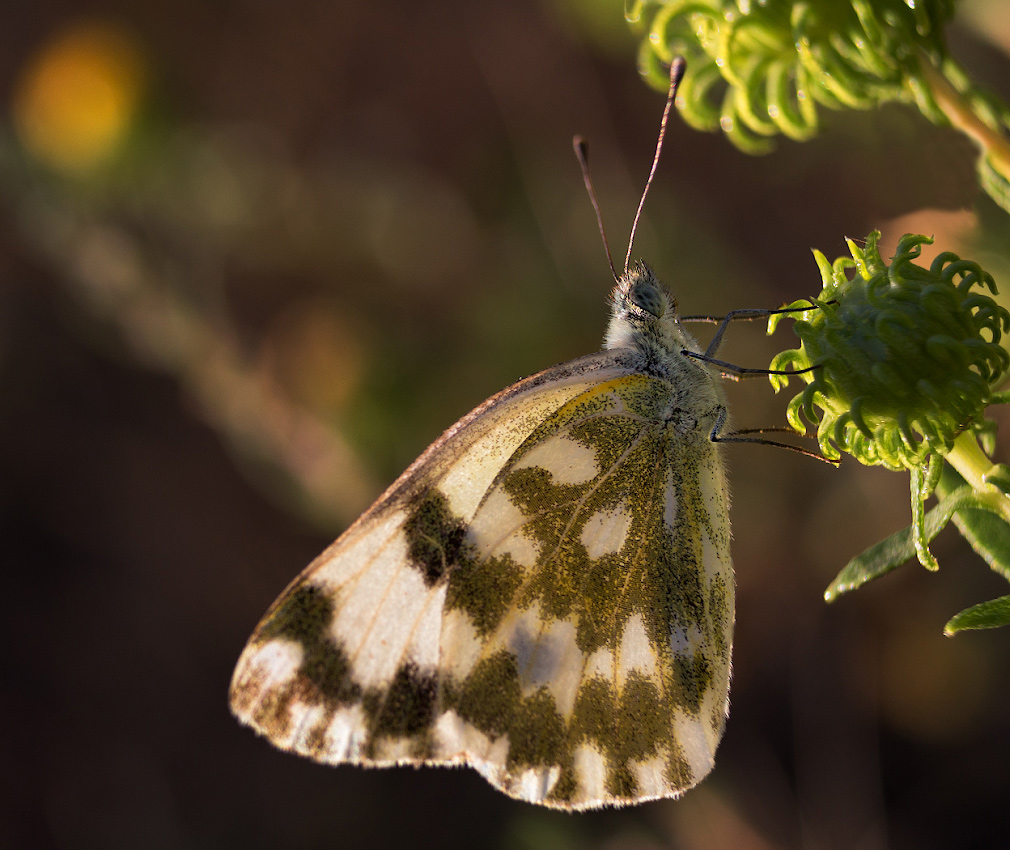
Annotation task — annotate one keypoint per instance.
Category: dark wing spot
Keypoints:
(407, 707)
(621, 781)
(644, 718)
(484, 589)
(489, 697)
(537, 732)
(305, 616)
(692, 678)
(594, 716)
(566, 786)
(435, 538)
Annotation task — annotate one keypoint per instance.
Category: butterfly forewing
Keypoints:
(356, 636)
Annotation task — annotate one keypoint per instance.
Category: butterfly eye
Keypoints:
(646, 297)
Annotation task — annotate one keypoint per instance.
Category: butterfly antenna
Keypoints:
(676, 75)
(582, 154)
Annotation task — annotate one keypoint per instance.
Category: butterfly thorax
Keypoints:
(644, 320)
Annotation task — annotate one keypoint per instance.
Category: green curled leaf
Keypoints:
(918, 523)
(789, 104)
(776, 60)
(695, 97)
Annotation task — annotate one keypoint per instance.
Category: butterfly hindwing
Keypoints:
(598, 594)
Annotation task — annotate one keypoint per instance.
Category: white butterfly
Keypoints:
(545, 595)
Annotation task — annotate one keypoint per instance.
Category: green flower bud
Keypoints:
(908, 356)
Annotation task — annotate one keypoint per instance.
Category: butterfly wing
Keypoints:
(545, 595)
(587, 630)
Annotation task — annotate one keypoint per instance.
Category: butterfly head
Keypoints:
(644, 314)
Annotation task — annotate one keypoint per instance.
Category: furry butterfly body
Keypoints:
(545, 595)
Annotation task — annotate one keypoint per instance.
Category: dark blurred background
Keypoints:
(255, 256)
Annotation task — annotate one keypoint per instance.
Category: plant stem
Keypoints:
(968, 459)
(990, 141)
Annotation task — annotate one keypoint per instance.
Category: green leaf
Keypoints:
(993, 183)
(985, 615)
(988, 535)
(986, 532)
(999, 477)
(898, 548)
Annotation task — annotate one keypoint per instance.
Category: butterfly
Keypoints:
(545, 595)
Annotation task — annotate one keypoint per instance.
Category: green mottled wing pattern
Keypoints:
(587, 628)
(546, 595)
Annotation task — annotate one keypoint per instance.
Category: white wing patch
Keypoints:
(591, 768)
(605, 531)
(497, 530)
(600, 664)
(546, 654)
(362, 549)
(535, 785)
(637, 651)
(650, 776)
(463, 646)
(342, 739)
(568, 461)
(459, 742)
(686, 640)
(304, 718)
(697, 741)
(401, 607)
(276, 662)
(548, 657)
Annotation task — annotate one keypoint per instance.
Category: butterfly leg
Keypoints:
(736, 373)
(716, 436)
(736, 315)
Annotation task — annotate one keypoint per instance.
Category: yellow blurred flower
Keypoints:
(77, 96)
